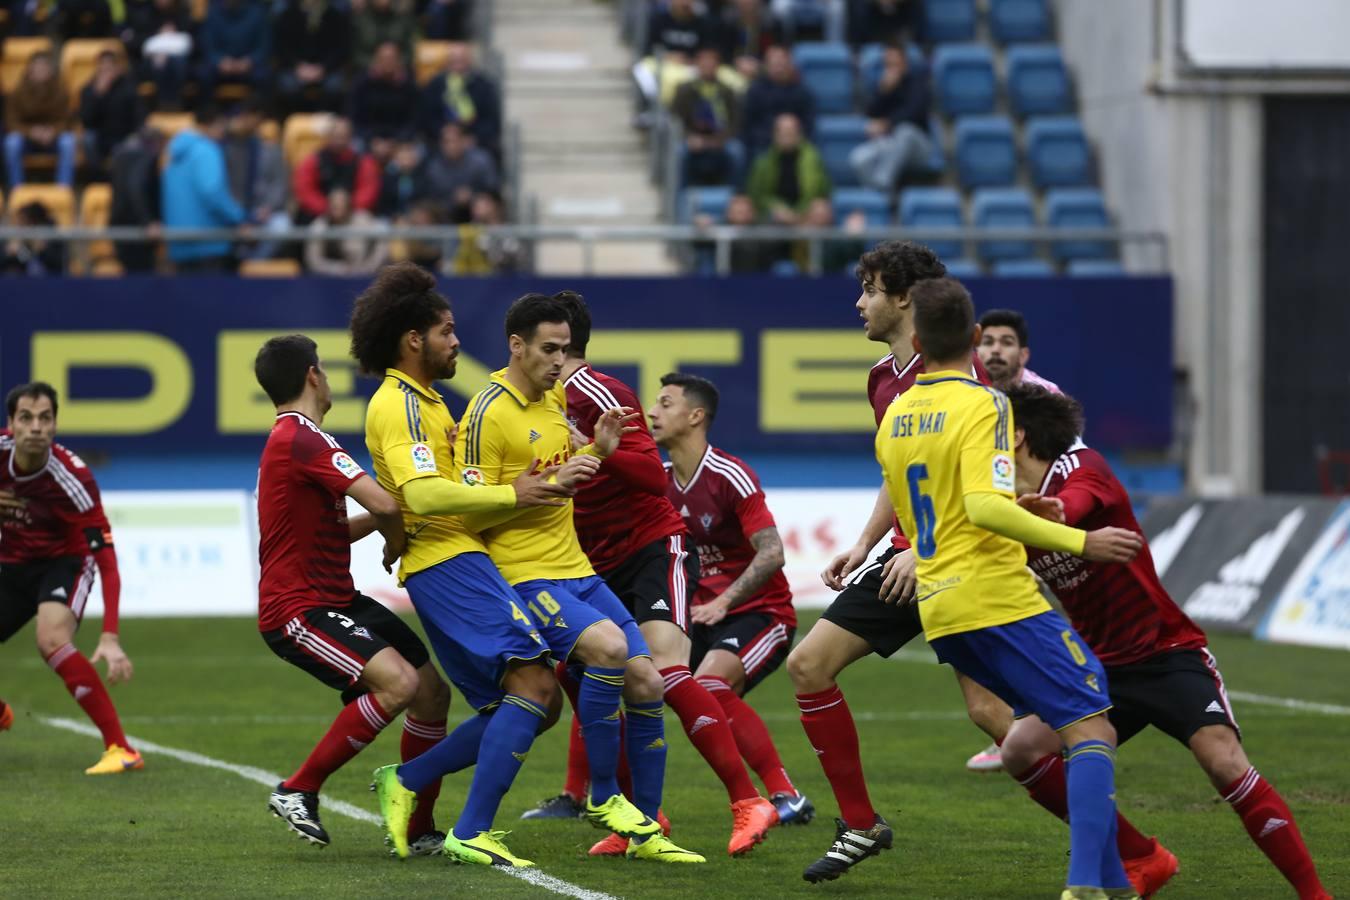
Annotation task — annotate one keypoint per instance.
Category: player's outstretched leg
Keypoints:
(992, 716)
(424, 728)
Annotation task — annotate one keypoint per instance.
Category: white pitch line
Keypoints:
(341, 807)
(1329, 709)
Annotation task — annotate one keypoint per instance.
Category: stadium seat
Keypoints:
(1057, 153)
(1096, 268)
(827, 72)
(269, 130)
(963, 267)
(1013, 21)
(870, 58)
(949, 20)
(964, 79)
(14, 56)
(937, 207)
(429, 59)
(836, 136)
(79, 58)
(95, 211)
(1003, 208)
(872, 204)
(986, 155)
(301, 135)
(269, 268)
(784, 268)
(1078, 208)
(59, 200)
(1023, 268)
(704, 201)
(1038, 82)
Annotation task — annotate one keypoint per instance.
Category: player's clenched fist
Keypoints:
(578, 469)
(842, 566)
(612, 425)
(1116, 545)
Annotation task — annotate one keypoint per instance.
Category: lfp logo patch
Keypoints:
(1003, 473)
(346, 465)
(472, 475)
(422, 458)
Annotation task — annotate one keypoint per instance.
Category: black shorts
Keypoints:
(334, 643)
(66, 580)
(761, 641)
(858, 609)
(1177, 693)
(657, 583)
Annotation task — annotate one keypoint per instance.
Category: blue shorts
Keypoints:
(474, 625)
(1038, 665)
(566, 607)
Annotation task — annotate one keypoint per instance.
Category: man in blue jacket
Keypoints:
(196, 194)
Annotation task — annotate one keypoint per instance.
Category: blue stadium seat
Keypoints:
(711, 201)
(949, 20)
(1023, 268)
(827, 72)
(784, 268)
(1096, 268)
(836, 136)
(963, 268)
(1038, 81)
(870, 203)
(986, 155)
(1003, 208)
(933, 208)
(964, 79)
(1078, 208)
(1012, 21)
(1058, 153)
(870, 65)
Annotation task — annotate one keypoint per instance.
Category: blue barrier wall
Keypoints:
(165, 365)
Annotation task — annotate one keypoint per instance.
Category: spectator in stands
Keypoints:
(343, 257)
(461, 94)
(377, 22)
(871, 21)
(675, 30)
(778, 90)
(312, 41)
(236, 43)
(481, 253)
(38, 116)
(788, 176)
(84, 19)
(196, 194)
(445, 20)
(158, 38)
(336, 164)
(134, 172)
(400, 183)
(109, 108)
(384, 99)
(427, 254)
(711, 115)
(836, 255)
(258, 178)
(460, 170)
(897, 125)
(749, 30)
(33, 257)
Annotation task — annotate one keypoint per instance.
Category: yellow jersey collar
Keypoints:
(499, 378)
(944, 375)
(410, 382)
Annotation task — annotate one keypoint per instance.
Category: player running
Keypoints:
(1158, 667)
(743, 616)
(403, 330)
(873, 612)
(945, 449)
(1005, 349)
(309, 611)
(518, 419)
(53, 533)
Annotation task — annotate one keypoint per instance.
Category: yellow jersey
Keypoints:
(502, 434)
(944, 438)
(408, 434)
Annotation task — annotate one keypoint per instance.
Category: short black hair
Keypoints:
(32, 390)
(207, 115)
(901, 264)
(525, 316)
(579, 318)
(1052, 422)
(697, 390)
(402, 298)
(1007, 318)
(283, 364)
(944, 318)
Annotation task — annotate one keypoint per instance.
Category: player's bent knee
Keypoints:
(534, 682)
(433, 694)
(555, 707)
(1093, 728)
(604, 645)
(808, 671)
(1220, 753)
(1028, 740)
(641, 682)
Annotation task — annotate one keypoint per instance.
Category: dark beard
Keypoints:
(445, 371)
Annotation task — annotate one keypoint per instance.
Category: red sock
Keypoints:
(418, 738)
(623, 774)
(354, 728)
(752, 738)
(1271, 825)
(830, 729)
(1045, 782)
(578, 769)
(82, 681)
(709, 729)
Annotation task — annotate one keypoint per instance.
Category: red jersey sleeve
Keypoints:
(95, 534)
(323, 460)
(754, 514)
(1084, 493)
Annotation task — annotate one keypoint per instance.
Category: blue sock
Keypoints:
(1113, 870)
(507, 738)
(1092, 813)
(456, 751)
(646, 745)
(598, 710)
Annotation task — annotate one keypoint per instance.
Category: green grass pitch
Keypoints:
(210, 686)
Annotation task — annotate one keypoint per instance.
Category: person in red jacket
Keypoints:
(53, 535)
(336, 164)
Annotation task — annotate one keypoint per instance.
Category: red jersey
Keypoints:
(64, 517)
(723, 505)
(887, 381)
(304, 547)
(1122, 611)
(624, 507)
